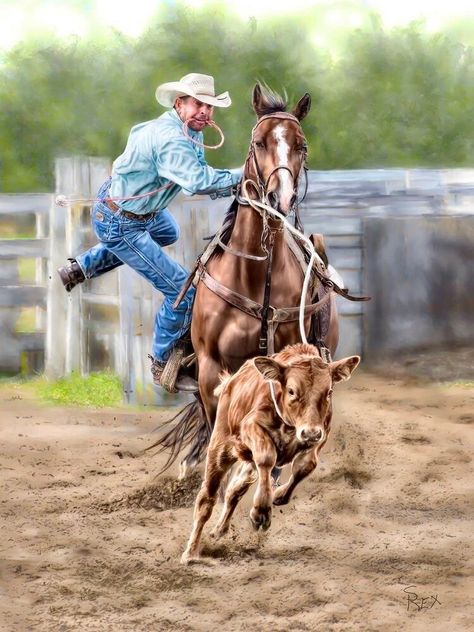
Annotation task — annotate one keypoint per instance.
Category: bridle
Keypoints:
(261, 185)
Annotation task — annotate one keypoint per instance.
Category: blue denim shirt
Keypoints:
(158, 153)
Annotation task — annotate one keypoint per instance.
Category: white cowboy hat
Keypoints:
(200, 87)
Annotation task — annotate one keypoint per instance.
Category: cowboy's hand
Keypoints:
(217, 193)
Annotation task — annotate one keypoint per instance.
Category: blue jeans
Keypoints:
(140, 244)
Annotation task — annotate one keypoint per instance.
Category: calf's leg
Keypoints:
(217, 464)
(239, 484)
(302, 466)
(264, 456)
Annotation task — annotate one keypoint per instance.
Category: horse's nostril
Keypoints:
(273, 199)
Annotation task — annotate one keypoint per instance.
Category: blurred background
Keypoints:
(392, 83)
(390, 138)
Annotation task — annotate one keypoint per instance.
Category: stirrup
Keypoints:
(172, 379)
(171, 370)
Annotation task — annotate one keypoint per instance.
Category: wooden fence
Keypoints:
(16, 295)
(108, 322)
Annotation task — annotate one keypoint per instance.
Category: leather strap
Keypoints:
(116, 209)
(263, 343)
(252, 308)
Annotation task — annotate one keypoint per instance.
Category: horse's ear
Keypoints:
(303, 106)
(257, 99)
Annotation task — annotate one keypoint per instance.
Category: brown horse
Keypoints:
(230, 295)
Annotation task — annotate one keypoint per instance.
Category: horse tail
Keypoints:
(189, 427)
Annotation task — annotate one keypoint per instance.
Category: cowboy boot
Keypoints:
(161, 371)
(71, 275)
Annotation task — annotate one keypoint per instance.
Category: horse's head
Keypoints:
(278, 147)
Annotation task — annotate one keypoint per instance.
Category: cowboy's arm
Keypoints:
(177, 161)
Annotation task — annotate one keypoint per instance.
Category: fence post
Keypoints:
(79, 177)
(126, 316)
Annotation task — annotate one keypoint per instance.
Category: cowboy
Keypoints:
(131, 218)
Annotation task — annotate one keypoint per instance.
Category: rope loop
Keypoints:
(196, 142)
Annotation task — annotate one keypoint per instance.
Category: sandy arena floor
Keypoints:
(379, 538)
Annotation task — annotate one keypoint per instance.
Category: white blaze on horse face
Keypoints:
(285, 190)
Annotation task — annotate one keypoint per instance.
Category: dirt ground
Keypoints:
(378, 538)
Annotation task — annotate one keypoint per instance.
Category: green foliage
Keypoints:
(96, 389)
(390, 98)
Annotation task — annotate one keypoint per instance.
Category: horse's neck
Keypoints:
(248, 230)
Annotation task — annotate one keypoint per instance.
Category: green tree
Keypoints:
(390, 98)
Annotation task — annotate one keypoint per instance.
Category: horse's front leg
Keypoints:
(264, 456)
(303, 464)
(209, 371)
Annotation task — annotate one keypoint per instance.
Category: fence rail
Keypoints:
(108, 322)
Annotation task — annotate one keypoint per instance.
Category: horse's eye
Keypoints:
(291, 392)
(259, 144)
(303, 148)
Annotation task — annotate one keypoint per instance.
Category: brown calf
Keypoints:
(274, 410)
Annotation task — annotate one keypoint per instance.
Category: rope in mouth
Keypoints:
(210, 123)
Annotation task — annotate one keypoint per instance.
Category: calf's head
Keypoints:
(305, 393)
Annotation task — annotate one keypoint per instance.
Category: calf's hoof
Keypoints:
(261, 518)
(187, 560)
(280, 497)
(218, 533)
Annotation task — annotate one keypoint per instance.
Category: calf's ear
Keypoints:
(342, 369)
(269, 368)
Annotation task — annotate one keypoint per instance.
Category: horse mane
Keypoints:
(228, 223)
(270, 101)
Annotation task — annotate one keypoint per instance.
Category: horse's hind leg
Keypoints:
(216, 466)
(239, 484)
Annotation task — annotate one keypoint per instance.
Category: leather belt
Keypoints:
(116, 209)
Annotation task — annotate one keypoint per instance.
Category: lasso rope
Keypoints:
(64, 200)
(196, 142)
(314, 255)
